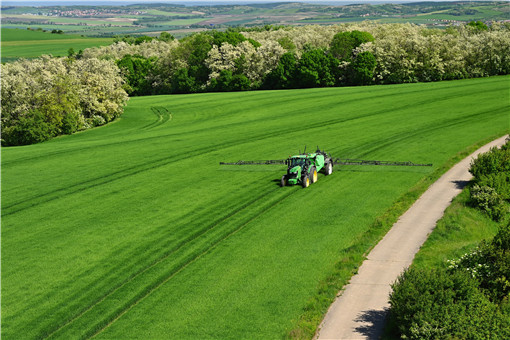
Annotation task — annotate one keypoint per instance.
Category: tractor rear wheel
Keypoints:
(329, 168)
(313, 175)
(283, 182)
(305, 181)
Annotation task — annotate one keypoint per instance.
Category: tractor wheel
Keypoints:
(305, 181)
(313, 175)
(329, 168)
(283, 182)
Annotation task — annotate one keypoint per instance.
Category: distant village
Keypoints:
(93, 12)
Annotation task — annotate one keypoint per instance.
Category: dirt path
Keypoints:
(359, 312)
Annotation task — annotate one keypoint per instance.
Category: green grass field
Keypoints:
(118, 21)
(18, 43)
(134, 229)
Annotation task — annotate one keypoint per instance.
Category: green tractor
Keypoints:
(302, 169)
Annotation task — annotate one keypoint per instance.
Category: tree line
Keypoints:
(310, 56)
(269, 57)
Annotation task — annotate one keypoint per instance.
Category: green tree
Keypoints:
(227, 81)
(316, 69)
(198, 46)
(344, 42)
(282, 76)
(478, 26)
(182, 82)
(165, 36)
(230, 36)
(287, 43)
(30, 128)
(137, 70)
(142, 39)
(223, 82)
(361, 70)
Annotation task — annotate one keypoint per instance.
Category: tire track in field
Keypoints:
(169, 159)
(370, 148)
(290, 100)
(388, 141)
(163, 116)
(227, 226)
(410, 135)
(165, 242)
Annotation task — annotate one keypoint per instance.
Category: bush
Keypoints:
(488, 200)
(437, 304)
(491, 171)
(499, 181)
(29, 129)
(494, 161)
(489, 264)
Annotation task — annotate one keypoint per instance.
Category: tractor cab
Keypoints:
(303, 168)
(297, 161)
(296, 167)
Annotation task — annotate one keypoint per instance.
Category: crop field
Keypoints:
(17, 43)
(135, 230)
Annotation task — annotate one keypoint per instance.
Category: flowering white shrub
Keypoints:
(100, 88)
(255, 62)
(147, 49)
(47, 96)
(470, 262)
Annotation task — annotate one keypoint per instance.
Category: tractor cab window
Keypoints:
(297, 162)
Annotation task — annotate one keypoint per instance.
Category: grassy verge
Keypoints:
(459, 231)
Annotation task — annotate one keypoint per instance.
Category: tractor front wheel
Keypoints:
(283, 182)
(305, 181)
(313, 175)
